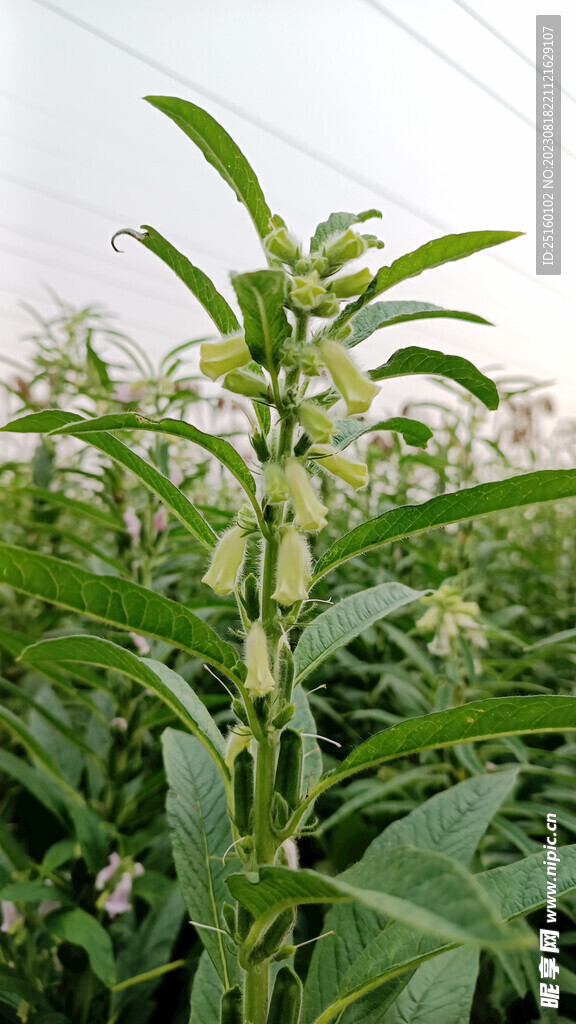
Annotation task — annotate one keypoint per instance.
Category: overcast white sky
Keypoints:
(82, 155)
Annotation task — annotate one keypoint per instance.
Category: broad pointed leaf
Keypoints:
(177, 694)
(201, 834)
(51, 420)
(118, 603)
(407, 361)
(337, 626)
(80, 928)
(413, 431)
(222, 152)
(471, 503)
(261, 298)
(385, 314)
(429, 891)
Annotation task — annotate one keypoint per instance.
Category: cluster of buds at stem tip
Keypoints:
(309, 295)
(226, 561)
(293, 570)
(259, 679)
(353, 473)
(282, 246)
(357, 391)
(219, 357)
(309, 512)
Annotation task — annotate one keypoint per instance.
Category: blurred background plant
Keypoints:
(81, 778)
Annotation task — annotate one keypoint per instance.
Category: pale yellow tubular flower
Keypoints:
(259, 679)
(357, 391)
(309, 512)
(316, 422)
(353, 473)
(218, 357)
(226, 562)
(275, 484)
(238, 739)
(293, 571)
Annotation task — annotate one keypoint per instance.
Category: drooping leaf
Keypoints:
(432, 254)
(471, 503)
(222, 152)
(385, 314)
(261, 298)
(479, 720)
(339, 222)
(221, 314)
(206, 995)
(429, 891)
(441, 990)
(337, 626)
(303, 721)
(168, 686)
(217, 446)
(80, 928)
(413, 360)
(51, 420)
(413, 432)
(80, 509)
(118, 603)
(451, 822)
(201, 834)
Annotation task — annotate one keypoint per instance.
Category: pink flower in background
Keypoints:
(119, 723)
(132, 524)
(117, 902)
(139, 643)
(47, 906)
(160, 520)
(125, 392)
(10, 916)
(106, 873)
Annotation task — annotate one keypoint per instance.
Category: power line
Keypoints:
(507, 42)
(287, 138)
(405, 27)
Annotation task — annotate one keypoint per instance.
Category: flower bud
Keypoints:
(259, 679)
(218, 357)
(316, 423)
(345, 246)
(293, 572)
(279, 243)
(238, 739)
(226, 562)
(242, 382)
(351, 284)
(308, 292)
(310, 361)
(328, 307)
(309, 511)
(275, 483)
(353, 473)
(356, 390)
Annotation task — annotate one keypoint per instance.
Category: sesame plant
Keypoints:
(410, 917)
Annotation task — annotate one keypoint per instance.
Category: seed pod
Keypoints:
(286, 998)
(251, 597)
(244, 921)
(288, 780)
(229, 915)
(243, 790)
(280, 811)
(231, 1012)
(240, 711)
(286, 680)
(271, 940)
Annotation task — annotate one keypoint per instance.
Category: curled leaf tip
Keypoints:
(139, 235)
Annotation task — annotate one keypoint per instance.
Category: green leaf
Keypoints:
(201, 834)
(385, 314)
(148, 947)
(337, 626)
(51, 420)
(83, 930)
(413, 360)
(217, 446)
(441, 990)
(303, 721)
(23, 735)
(206, 995)
(80, 509)
(37, 782)
(413, 431)
(429, 891)
(479, 720)
(339, 222)
(152, 675)
(471, 503)
(516, 888)
(261, 298)
(222, 152)
(426, 257)
(221, 314)
(451, 822)
(30, 892)
(118, 603)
